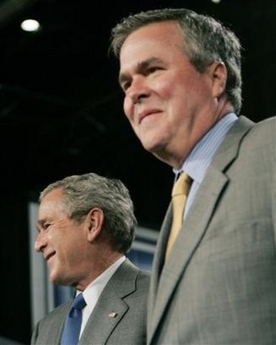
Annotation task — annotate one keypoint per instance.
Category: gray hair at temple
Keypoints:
(81, 193)
(205, 41)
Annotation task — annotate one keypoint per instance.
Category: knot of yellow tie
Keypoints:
(182, 184)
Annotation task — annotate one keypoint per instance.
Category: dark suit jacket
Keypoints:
(218, 286)
(125, 294)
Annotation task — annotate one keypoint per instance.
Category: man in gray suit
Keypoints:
(181, 75)
(86, 225)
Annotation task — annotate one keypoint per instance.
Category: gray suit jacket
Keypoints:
(218, 286)
(125, 294)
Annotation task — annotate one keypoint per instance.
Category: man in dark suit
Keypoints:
(181, 75)
(86, 225)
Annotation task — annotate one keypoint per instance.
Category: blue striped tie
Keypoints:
(72, 325)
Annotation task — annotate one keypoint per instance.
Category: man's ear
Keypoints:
(218, 74)
(94, 223)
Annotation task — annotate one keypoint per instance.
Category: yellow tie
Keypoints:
(179, 196)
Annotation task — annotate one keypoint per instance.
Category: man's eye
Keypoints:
(153, 69)
(125, 86)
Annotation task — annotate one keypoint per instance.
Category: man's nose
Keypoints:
(40, 242)
(138, 90)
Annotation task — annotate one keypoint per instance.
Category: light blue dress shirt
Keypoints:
(199, 159)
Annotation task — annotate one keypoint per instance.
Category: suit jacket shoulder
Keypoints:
(119, 316)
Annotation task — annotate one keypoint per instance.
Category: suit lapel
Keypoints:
(107, 314)
(52, 326)
(194, 227)
(110, 307)
(158, 258)
(187, 241)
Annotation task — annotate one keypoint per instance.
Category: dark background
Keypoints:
(61, 114)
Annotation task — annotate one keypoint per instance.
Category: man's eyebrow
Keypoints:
(140, 67)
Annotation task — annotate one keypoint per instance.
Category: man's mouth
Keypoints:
(48, 256)
(147, 113)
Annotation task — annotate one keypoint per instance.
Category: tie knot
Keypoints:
(182, 184)
(79, 302)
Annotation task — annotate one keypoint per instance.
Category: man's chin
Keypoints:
(151, 147)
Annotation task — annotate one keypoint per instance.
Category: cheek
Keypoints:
(166, 86)
(161, 84)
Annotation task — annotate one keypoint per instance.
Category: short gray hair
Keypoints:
(81, 193)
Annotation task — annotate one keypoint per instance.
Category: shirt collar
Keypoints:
(200, 157)
(94, 289)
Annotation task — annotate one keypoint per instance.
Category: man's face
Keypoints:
(62, 242)
(168, 103)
